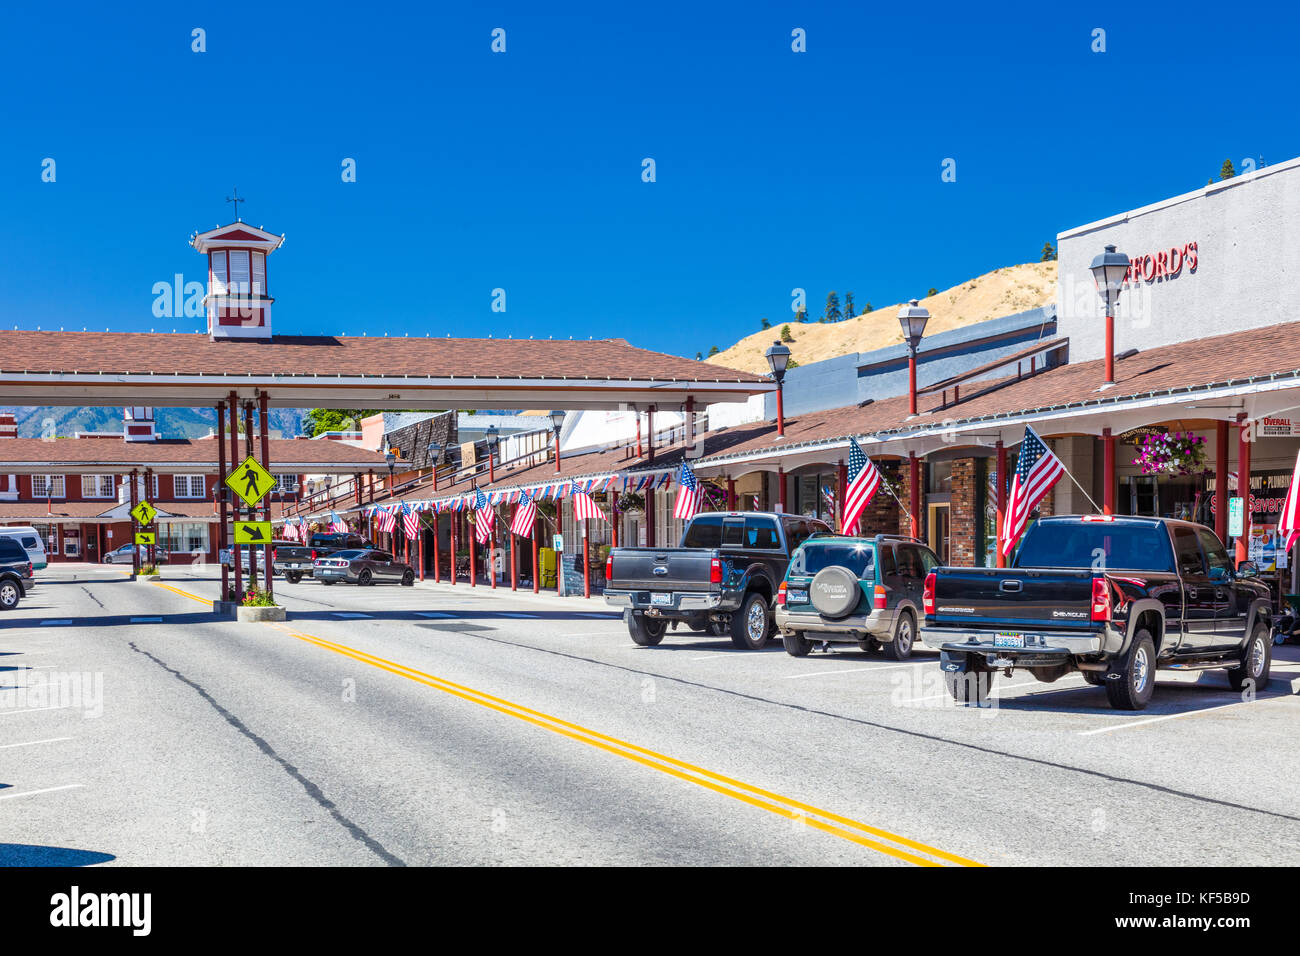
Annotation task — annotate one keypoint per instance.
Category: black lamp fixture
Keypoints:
(557, 422)
(778, 360)
(434, 453)
(391, 458)
(912, 317)
(1108, 271)
(493, 439)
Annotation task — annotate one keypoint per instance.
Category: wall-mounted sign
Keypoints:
(1276, 426)
(1162, 264)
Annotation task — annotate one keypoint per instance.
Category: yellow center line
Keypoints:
(182, 593)
(829, 822)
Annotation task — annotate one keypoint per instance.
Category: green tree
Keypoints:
(933, 292)
(1227, 172)
(765, 323)
(713, 350)
(832, 313)
(848, 305)
(791, 364)
(786, 334)
(866, 308)
(317, 421)
(1049, 253)
(801, 315)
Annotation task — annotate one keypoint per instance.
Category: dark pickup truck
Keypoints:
(296, 560)
(1115, 598)
(723, 577)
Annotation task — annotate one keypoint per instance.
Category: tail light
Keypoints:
(1100, 599)
(273, 551)
(609, 568)
(927, 596)
(29, 569)
(715, 571)
(879, 601)
(780, 595)
(313, 554)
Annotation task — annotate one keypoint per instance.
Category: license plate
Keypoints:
(661, 600)
(797, 597)
(1009, 640)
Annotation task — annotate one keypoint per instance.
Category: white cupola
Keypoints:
(238, 302)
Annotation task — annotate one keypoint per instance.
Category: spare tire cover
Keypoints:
(834, 591)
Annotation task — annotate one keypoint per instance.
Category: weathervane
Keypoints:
(236, 200)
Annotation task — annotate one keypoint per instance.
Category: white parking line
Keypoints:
(57, 622)
(438, 614)
(145, 620)
(862, 669)
(349, 614)
(33, 743)
(29, 710)
(32, 793)
(1152, 720)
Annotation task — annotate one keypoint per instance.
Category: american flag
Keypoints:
(410, 520)
(1288, 525)
(864, 480)
(1037, 469)
(525, 516)
(688, 495)
(485, 517)
(387, 521)
(338, 524)
(828, 496)
(584, 507)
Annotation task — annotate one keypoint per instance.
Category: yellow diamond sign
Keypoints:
(252, 532)
(144, 513)
(250, 481)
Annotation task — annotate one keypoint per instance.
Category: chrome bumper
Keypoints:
(1046, 645)
(681, 601)
(876, 624)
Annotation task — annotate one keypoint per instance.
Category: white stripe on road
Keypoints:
(863, 669)
(350, 614)
(33, 743)
(1152, 720)
(438, 614)
(57, 622)
(32, 793)
(145, 620)
(29, 710)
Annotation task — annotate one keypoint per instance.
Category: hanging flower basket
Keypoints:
(1171, 453)
(631, 503)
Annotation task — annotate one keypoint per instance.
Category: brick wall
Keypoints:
(963, 514)
(881, 516)
(902, 481)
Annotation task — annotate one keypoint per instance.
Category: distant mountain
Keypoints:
(64, 421)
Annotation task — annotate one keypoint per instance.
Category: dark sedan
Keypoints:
(362, 566)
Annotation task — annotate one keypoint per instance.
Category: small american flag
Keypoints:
(410, 521)
(864, 479)
(1288, 525)
(584, 507)
(688, 495)
(525, 516)
(337, 524)
(1037, 469)
(485, 517)
(387, 521)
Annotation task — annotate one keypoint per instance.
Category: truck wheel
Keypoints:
(749, 625)
(970, 686)
(293, 577)
(1095, 678)
(646, 631)
(1137, 676)
(1256, 660)
(8, 596)
(796, 645)
(900, 648)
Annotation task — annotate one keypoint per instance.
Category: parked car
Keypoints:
(122, 555)
(1115, 598)
(15, 573)
(31, 541)
(854, 589)
(294, 560)
(723, 577)
(362, 566)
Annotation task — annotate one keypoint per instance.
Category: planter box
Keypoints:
(225, 608)
(146, 578)
(259, 613)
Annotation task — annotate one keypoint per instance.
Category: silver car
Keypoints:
(362, 566)
(854, 590)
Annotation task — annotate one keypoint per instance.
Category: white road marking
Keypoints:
(57, 622)
(349, 614)
(862, 669)
(33, 743)
(32, 793)
(145, 620)
(439, 614)
(1152, 720)
(29, 710)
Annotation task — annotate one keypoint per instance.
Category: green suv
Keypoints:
(854, 590)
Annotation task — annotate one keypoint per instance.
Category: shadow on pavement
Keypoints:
(1169, 699)
(25, 854)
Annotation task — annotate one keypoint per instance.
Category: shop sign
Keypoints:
(1275, 426)
(1236, 517)
(1162, 264)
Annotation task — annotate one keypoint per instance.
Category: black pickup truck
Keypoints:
(295, 560)
(723, 577)
(1115, 598)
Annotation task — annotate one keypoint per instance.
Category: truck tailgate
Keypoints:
(994, 597)
(661, 569)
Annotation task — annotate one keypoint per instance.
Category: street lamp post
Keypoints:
(557, 421)
(493, 439)
(391, 459)
(1108, 271)
(912, 317)
(778, 359)
(435, 452)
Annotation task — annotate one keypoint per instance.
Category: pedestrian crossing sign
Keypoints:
(144, 513)
(250, 481)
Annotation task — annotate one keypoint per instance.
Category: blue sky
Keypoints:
(522, 170)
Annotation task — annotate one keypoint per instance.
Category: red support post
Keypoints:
(451, 543)
(265, 425)
(914, 493)
(780, 488)
(1000, 504)
(1242, 549)
(537, 571)
(1221, 480)
(841, 488)
(514, 557)
(472, 541)
(586, 558)
(492, 553)
(1110, 347)
(421, 538)
(911, 383)
(232, 404)
(248, 445)
(1108, 471)
(731, 494)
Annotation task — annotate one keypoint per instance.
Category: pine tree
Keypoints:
(801, 315)
(1227, 172)
(848, 305)
(765, 323)
(713, 350)
(1049, 253)
(866, 308)
(832, 308)
(932, 293)
(786, 334)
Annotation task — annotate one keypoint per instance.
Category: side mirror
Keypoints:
(1248, 569)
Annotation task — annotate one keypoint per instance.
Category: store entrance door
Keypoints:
(940, 532)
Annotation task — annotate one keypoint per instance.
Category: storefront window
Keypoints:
(189, 536)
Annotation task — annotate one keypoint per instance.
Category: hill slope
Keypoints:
(1000, 292)
(172, 422)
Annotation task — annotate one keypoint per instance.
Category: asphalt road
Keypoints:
(441, 725)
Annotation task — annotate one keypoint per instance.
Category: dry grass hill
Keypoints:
(997, 293)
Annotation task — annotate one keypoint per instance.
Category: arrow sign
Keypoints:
(252, 532)
(250, 481)
(145, 537)
(144, 513)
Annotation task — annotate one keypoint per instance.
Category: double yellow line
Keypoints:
(855, 831)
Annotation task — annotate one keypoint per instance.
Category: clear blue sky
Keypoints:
(522, 170)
